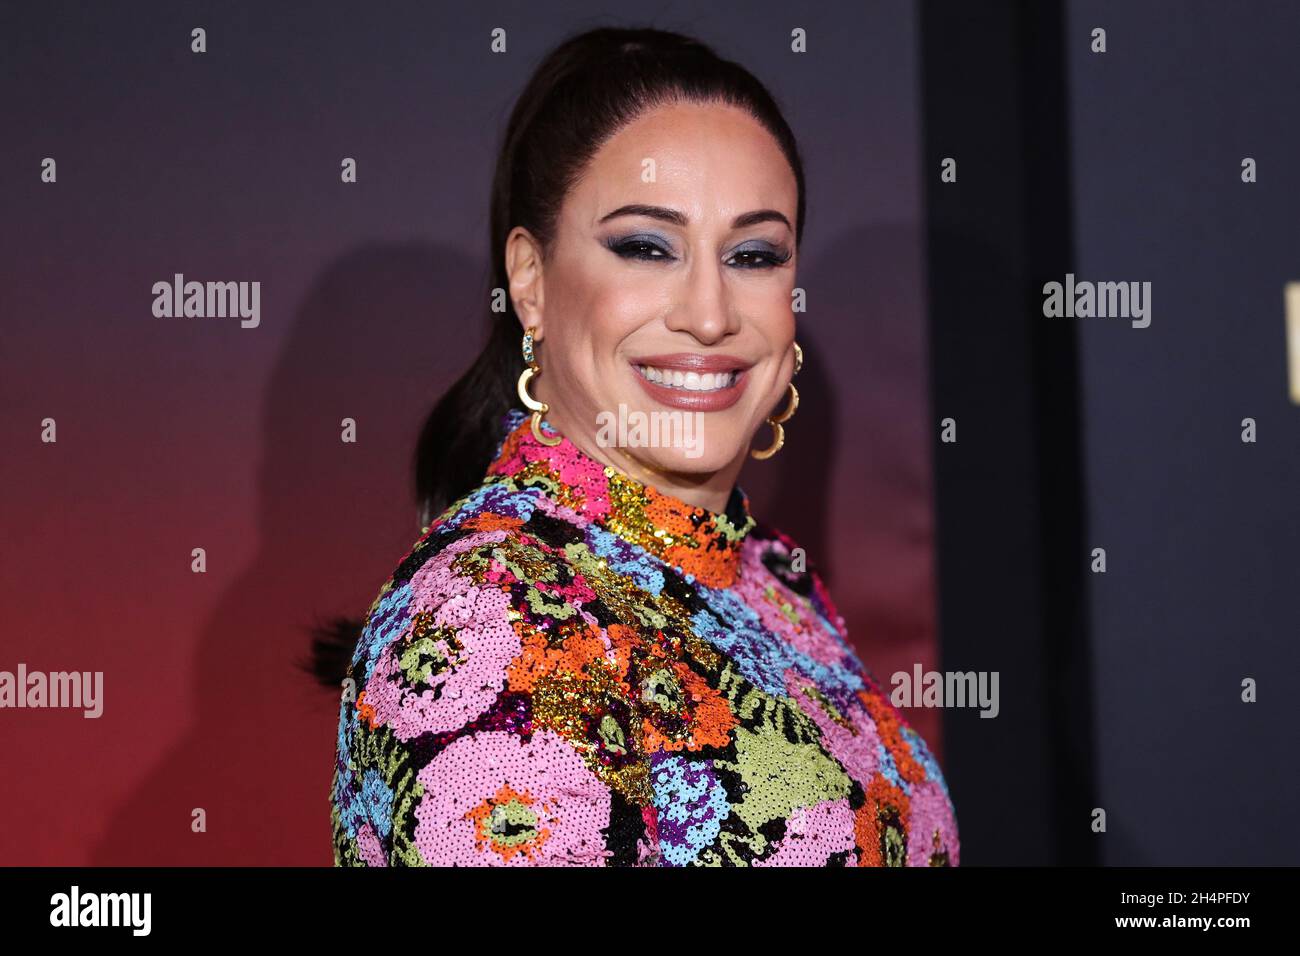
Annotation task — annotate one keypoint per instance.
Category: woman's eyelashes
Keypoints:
(763, 257)
(647, 248)
(640, 247)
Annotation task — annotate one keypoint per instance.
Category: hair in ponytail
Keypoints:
(582, 93)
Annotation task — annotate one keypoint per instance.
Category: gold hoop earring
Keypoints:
(777, 421)
(538, 408)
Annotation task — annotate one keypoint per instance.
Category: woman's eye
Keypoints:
(757, 259)
(639, 249)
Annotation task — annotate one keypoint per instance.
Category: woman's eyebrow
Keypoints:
(679, 219)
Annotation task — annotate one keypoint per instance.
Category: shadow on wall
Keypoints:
(382, 332)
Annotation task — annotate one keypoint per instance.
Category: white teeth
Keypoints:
(689, 381)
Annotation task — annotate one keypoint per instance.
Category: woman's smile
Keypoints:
(691, 381)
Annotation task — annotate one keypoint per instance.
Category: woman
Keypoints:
(595, 655)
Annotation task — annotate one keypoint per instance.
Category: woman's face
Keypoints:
(664, 309)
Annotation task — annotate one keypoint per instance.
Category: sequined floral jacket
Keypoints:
(571, 668)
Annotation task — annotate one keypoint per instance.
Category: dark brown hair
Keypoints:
(586, 90)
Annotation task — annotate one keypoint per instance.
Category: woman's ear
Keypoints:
(524, 267)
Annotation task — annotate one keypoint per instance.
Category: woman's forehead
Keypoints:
(706, 161)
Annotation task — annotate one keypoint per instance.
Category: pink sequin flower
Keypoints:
(450, 665)
(494, 799)
(813, 834)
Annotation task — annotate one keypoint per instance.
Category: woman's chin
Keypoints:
(704, 459)
(671, 440)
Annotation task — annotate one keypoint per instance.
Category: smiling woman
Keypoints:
(595, 654)
(672, 258)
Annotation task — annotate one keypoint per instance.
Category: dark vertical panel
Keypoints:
(1200, 528)
(1012, 559)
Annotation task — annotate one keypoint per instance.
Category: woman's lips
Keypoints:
(691, 382)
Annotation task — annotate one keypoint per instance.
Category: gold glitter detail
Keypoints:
(526, 562)
(627, 517)
(429, 651)
(569, 704)
(675, 611)
(620, 594)
(703, 652)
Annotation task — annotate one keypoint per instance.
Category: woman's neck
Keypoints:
(710, 490)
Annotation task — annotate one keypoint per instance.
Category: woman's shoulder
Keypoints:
(457, 572)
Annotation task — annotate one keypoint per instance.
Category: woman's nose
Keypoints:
(704, 309)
